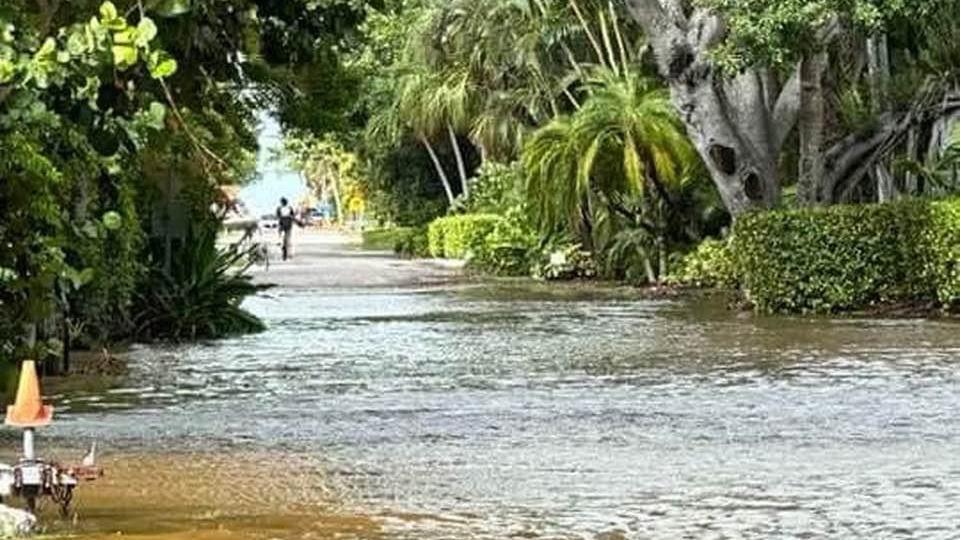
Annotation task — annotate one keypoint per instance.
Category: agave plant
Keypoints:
(201, 297)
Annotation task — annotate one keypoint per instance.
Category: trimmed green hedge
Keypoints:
(457, 237)
(849, 257)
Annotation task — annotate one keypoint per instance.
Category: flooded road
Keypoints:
(432, 408)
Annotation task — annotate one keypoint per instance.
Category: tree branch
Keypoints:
(650, 14)
(706, 30)
(850, 159)
(786, 110)
(662, 29)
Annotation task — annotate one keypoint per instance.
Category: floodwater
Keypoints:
(481, 411)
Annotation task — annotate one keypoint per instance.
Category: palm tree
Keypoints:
(625, 143)
(411, 110)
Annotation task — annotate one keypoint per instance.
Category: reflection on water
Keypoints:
(446, 413)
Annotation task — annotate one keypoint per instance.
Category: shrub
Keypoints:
(496, 187)
(384, 239)
(413, 243)
(848, 257)
(508, 249)
(710, 265)
(435, 237)
(405, 241)
(941, 241)
(501, 245)
(564, 260)
(460, 237)
(202, 296)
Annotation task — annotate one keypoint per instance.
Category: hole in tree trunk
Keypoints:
(725, 158)
(753, 187)
(680, 59)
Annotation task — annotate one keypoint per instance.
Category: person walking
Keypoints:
(286, 215)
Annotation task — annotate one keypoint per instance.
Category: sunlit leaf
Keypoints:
(161, 65)
(7, 71)
(124, 56)
(146, 31)
(173, 8)
(48, 47)
(108, 11)
(112, 221)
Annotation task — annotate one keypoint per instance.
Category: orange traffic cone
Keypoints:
(28, 411)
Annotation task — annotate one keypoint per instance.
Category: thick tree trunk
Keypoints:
(461, 166)
(811, 127)
(439, 167)
(878, 70)
(738, 124)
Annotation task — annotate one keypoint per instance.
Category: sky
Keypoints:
(274, 178)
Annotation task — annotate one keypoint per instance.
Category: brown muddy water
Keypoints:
(487, 412)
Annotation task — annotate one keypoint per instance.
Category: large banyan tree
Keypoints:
(744, 74)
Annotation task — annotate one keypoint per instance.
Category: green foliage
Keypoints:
(413, 243)
(779, 32)
(460, 237)
(110, 249)
(617, 173)
(201, 298)
(510, 248)
(435, 240)
(939, 174)
(502, 245)
(628, 256)
(404, 241)
(563, 260)
(849, 257)
(710, 265)
(940, 242)
(496, 187)
(626, 140)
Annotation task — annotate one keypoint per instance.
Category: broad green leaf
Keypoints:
(7, 71)
(7, 275)
(127, 36)
(173, 8)
(157, 114)
(108, 11)
(146, 31)
(124, 56)
(6, 33)
(91, 230)
(90, 89)
(112, 221)
(86, 276)
(76, 44)
(161, 66)
(48, 47)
